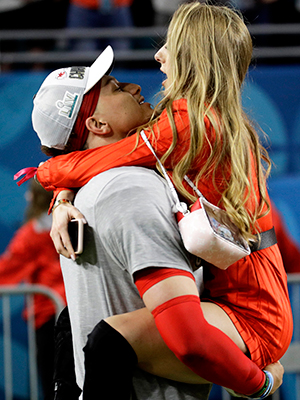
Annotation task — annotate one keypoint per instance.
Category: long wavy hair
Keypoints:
(210, 50)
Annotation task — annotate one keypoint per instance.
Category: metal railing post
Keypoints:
(8, 382)
(6, 292)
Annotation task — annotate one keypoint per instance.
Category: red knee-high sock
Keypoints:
(203, 348)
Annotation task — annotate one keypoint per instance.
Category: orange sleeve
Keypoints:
(75, 169)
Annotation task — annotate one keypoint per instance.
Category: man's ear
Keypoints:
(98, 127)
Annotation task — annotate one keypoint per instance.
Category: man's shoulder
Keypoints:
(125, 172)
(121, 176)
(119, 179)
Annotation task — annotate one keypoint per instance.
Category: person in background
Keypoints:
(31, 258)
(25, 15)
(288, 247)
(99, 14)
(164, 9)
(142, 13)
(265, 11)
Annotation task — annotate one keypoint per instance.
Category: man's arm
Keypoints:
(155, 357)
(205, 349)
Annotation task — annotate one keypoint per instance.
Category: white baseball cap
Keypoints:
(58, 101)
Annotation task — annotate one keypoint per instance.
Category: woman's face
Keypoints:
(163, 57)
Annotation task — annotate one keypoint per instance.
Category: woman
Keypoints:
(203, 132)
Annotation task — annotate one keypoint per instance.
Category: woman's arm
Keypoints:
(62, 213)
(75, 169)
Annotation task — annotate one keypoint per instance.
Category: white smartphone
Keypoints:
(76, 228)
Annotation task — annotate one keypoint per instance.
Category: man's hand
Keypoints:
(277, 371)
(61, 217)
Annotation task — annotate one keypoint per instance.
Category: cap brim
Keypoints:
(100, 67)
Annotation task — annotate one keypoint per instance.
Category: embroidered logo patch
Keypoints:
(62, 74)
(67, 105)
(77, 73)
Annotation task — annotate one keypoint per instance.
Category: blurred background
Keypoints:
(37, 36)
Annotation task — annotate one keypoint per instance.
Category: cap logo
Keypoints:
(67, 105)
(77, 73)
(61, 75)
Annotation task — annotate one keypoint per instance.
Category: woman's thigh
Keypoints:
(217, 317)
(139, 328)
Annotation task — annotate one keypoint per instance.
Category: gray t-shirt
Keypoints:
(131, 226)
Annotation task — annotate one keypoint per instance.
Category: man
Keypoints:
(91, 298)
(131, 224)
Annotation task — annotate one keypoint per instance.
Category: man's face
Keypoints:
(122, 106)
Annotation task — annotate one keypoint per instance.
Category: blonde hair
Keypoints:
(210, 50)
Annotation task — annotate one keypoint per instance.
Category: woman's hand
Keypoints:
(62, 215)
